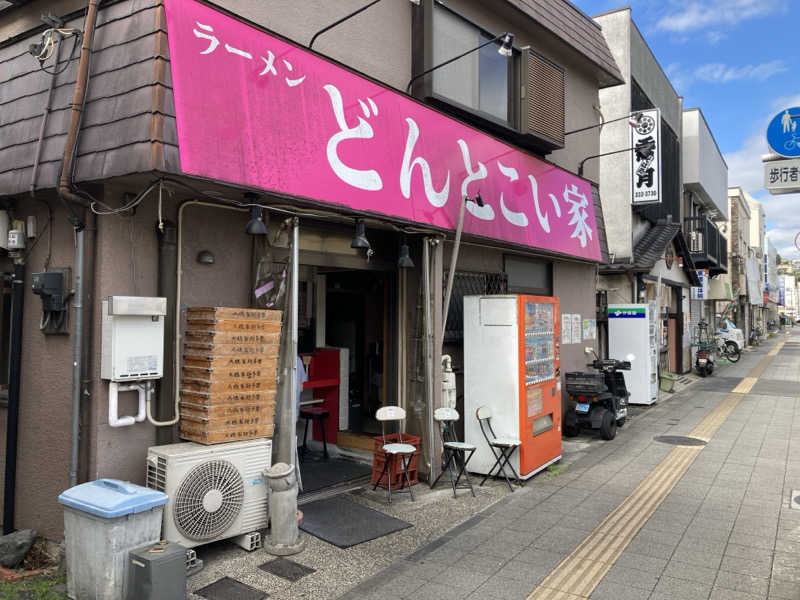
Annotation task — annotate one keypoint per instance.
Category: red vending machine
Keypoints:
(512, 364)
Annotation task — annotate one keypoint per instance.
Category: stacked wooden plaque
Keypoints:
(229, 374)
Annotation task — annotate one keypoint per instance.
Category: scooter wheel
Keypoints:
(733, 353)
(701, 371)
(621, 422)
(710, 368)
(571, 430)
(608, 426)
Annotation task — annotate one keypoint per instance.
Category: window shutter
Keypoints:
(542, 102)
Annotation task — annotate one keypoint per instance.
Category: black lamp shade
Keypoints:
(404, 260)
(507, 45)
(360, 238)
(255, 226)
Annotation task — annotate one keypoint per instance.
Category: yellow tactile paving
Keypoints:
(581, 571)
(745, 385)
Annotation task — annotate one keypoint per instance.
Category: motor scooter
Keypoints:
(600, 399)
(706, 350)
(705, 359)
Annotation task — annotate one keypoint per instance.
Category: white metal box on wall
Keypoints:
(132, 338)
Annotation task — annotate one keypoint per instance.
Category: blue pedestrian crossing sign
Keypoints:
(783, 132)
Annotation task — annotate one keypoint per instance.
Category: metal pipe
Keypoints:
(77, 356)
(90, 295)
(426, 291)
(178, 277)
(47, 107)
(401, 375)
(580, 165)
(65, 189)
(453, 260)
(284, 442)
(293, 331)
(12, 418)
(167, 232)
(67, 195)
(455, 58)
(342, 20)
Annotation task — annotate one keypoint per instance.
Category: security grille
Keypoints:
(468, 283)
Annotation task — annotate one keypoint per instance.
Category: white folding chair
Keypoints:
(405, 452)
(502, 447)
(455, 451)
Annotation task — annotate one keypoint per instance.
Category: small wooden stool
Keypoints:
(314, 413)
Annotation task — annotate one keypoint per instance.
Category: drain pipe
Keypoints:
(69, 197)
(177, 340)
(77, 357)
(45, 114)
(167, 234)
(12, 420)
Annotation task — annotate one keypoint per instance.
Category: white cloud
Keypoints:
(782, 238)
(715, 37)
(683, 15)
(681, 78)
(745, 168)
(722, 73)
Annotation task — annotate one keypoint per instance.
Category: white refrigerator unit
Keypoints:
(632, 330)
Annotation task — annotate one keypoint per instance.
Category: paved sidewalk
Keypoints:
(726, 530)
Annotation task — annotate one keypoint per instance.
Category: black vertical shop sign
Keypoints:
(646, 157)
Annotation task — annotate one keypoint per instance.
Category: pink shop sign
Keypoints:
(253, 109)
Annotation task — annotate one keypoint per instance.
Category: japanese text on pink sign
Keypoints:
(253, 109)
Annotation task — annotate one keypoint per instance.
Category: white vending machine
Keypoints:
(512, 364)
(632, 329)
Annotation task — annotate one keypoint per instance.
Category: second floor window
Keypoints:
(478, 81)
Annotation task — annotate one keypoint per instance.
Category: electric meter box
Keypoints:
(133, 338)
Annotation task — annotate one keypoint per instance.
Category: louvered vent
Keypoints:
(157, 473)
(542, 102)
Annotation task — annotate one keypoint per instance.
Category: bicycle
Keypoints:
(728, 350)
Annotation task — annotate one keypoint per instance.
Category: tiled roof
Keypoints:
(602, 238)
(128, 125)
(650, 249)
(576, 29)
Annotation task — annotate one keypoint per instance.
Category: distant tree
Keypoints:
(778, 259)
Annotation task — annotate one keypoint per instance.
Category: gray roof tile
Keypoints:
(567, 22)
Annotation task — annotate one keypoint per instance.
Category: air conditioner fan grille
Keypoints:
(208, 500)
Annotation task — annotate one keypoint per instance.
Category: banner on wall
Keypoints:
(256, 110)
(701, 292)
(645, 171)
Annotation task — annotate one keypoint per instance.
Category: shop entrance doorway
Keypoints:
(357, 318)
(348, 349)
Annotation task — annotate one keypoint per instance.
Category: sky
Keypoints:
(736, 60)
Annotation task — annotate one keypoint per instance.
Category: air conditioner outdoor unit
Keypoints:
(215, 492)
(696, 241)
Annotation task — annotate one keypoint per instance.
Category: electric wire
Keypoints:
(48, 48)
(283, 209)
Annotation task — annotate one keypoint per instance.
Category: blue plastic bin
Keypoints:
(103, 521)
